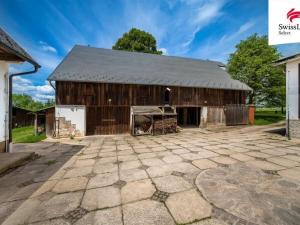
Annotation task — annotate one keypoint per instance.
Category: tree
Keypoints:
(26, 102)
(252, 63)
(137, 41)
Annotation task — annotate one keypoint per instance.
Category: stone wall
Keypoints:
(64, 128)
(295, 128)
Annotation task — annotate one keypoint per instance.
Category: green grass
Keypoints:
(267, 116)
(26, 135)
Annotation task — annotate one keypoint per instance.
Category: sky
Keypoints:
(204, 29)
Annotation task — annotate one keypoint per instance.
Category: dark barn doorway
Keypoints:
(188, 116)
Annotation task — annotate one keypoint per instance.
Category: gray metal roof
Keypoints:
(88, 64)
(287, 59)
(11, 46)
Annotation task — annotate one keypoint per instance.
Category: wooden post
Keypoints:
(203, 120)
(35, 124)
(251, 114)
(152, 122)
(185, 115)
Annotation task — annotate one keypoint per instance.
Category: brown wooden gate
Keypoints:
(107, 119)
(236, 115)
(49, 124)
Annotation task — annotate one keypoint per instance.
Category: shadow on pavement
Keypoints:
(19, 184)
(281, 131)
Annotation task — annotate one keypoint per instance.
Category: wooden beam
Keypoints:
(10, 57)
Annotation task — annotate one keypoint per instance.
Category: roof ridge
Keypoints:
(148, 54)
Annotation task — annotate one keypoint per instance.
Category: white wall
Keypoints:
(74, 113)
(292, 76)
(3, 101)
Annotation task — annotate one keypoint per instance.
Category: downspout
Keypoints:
(55, 126)
(51, 84)
(36, 67)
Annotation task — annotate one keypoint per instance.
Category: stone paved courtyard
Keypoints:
(197, 177)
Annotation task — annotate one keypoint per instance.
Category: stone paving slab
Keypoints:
(293, 173)
(251, 195)
(78, 172)
(102, 180)
(283, 162)
(70, 184)
(137, 190)
(204, 164)
(210, 222)
(224, 160)
(151, 179)
(133, 175)
(56, 206)
(188, 206)
(111, 216)
(172, 184)
(242, 157)
(100, 198)
(146, 212)
(264, 165)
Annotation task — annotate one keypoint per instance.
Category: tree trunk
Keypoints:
(251, 98)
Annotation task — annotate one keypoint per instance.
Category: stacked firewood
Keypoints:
(165, 125)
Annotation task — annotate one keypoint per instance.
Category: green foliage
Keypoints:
(26, 102)
(137, 41)
(252, 63)
(26, 135)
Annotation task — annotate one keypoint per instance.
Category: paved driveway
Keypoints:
(155, 180)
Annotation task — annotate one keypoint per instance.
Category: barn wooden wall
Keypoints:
(108, 105)
(22, 118)
(98, 94)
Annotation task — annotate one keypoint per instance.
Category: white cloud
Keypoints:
(164, 51)
(38, 92)
(46, 47)
(244, 28)
(203, 13)
(220, 49)
(174, 28)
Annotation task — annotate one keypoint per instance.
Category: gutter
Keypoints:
(50, 82)
(36, 67)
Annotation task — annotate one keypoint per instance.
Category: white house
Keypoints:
(10, 52)
(292, 67)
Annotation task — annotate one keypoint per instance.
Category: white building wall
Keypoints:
(3, 101)
(74, 113)
(292, 76)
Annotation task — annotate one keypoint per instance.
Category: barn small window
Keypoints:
(167, 96)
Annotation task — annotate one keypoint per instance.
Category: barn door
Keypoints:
(107, 119)
(236, 115)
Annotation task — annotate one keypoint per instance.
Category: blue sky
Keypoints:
(205, 29)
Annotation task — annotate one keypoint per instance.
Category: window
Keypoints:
(167, 96)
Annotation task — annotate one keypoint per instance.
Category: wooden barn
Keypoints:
(22, 117)
(98, 91)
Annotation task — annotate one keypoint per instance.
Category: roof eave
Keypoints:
(245, 88)
(286, 60)
(22, 57)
